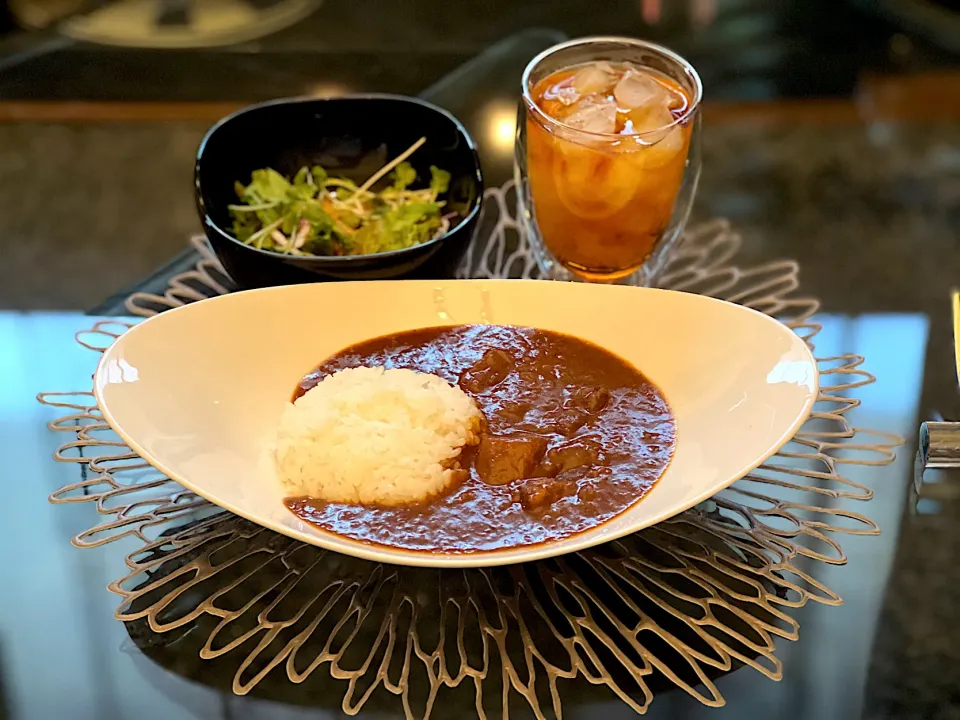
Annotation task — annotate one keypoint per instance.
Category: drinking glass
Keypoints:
(606, 206)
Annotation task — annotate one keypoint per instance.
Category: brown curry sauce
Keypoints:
(575, 435)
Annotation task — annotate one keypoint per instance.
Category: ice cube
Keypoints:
(659, 139)
(593, 116)
(595, 78)
(638, 89)
(666, 147)
(566, 93)
(594, 185)
(648, 119)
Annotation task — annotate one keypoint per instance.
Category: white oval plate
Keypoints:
(198, 391)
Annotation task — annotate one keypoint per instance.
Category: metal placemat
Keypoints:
(675, 605)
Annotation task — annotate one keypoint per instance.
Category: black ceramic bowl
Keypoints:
(351, 137)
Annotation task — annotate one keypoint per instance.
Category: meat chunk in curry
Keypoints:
(501, 459)
(490, 370)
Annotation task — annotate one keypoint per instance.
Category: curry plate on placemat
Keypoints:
(731, 387)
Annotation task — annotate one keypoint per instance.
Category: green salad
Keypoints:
(315, 214)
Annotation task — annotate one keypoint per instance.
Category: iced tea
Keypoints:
(606, 156)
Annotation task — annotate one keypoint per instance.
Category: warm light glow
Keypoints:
(502, 127)
(327, 89)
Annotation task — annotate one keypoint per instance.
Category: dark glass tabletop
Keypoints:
(864, 195)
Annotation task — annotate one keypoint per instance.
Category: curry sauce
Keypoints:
(574, 436)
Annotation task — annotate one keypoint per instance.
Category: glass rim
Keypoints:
(667, 53)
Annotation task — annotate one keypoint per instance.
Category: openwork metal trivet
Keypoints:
(676, 605)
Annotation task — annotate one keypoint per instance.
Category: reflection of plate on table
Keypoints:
(186, 390)
(185, 23)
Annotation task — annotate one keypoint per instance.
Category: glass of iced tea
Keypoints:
(607, 157)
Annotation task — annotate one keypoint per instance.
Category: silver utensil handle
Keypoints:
(940, 444)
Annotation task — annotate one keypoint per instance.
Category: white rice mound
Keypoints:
(373, 436)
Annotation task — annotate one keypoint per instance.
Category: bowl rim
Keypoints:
(202, 207)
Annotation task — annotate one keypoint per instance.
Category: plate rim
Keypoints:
(491, 558)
